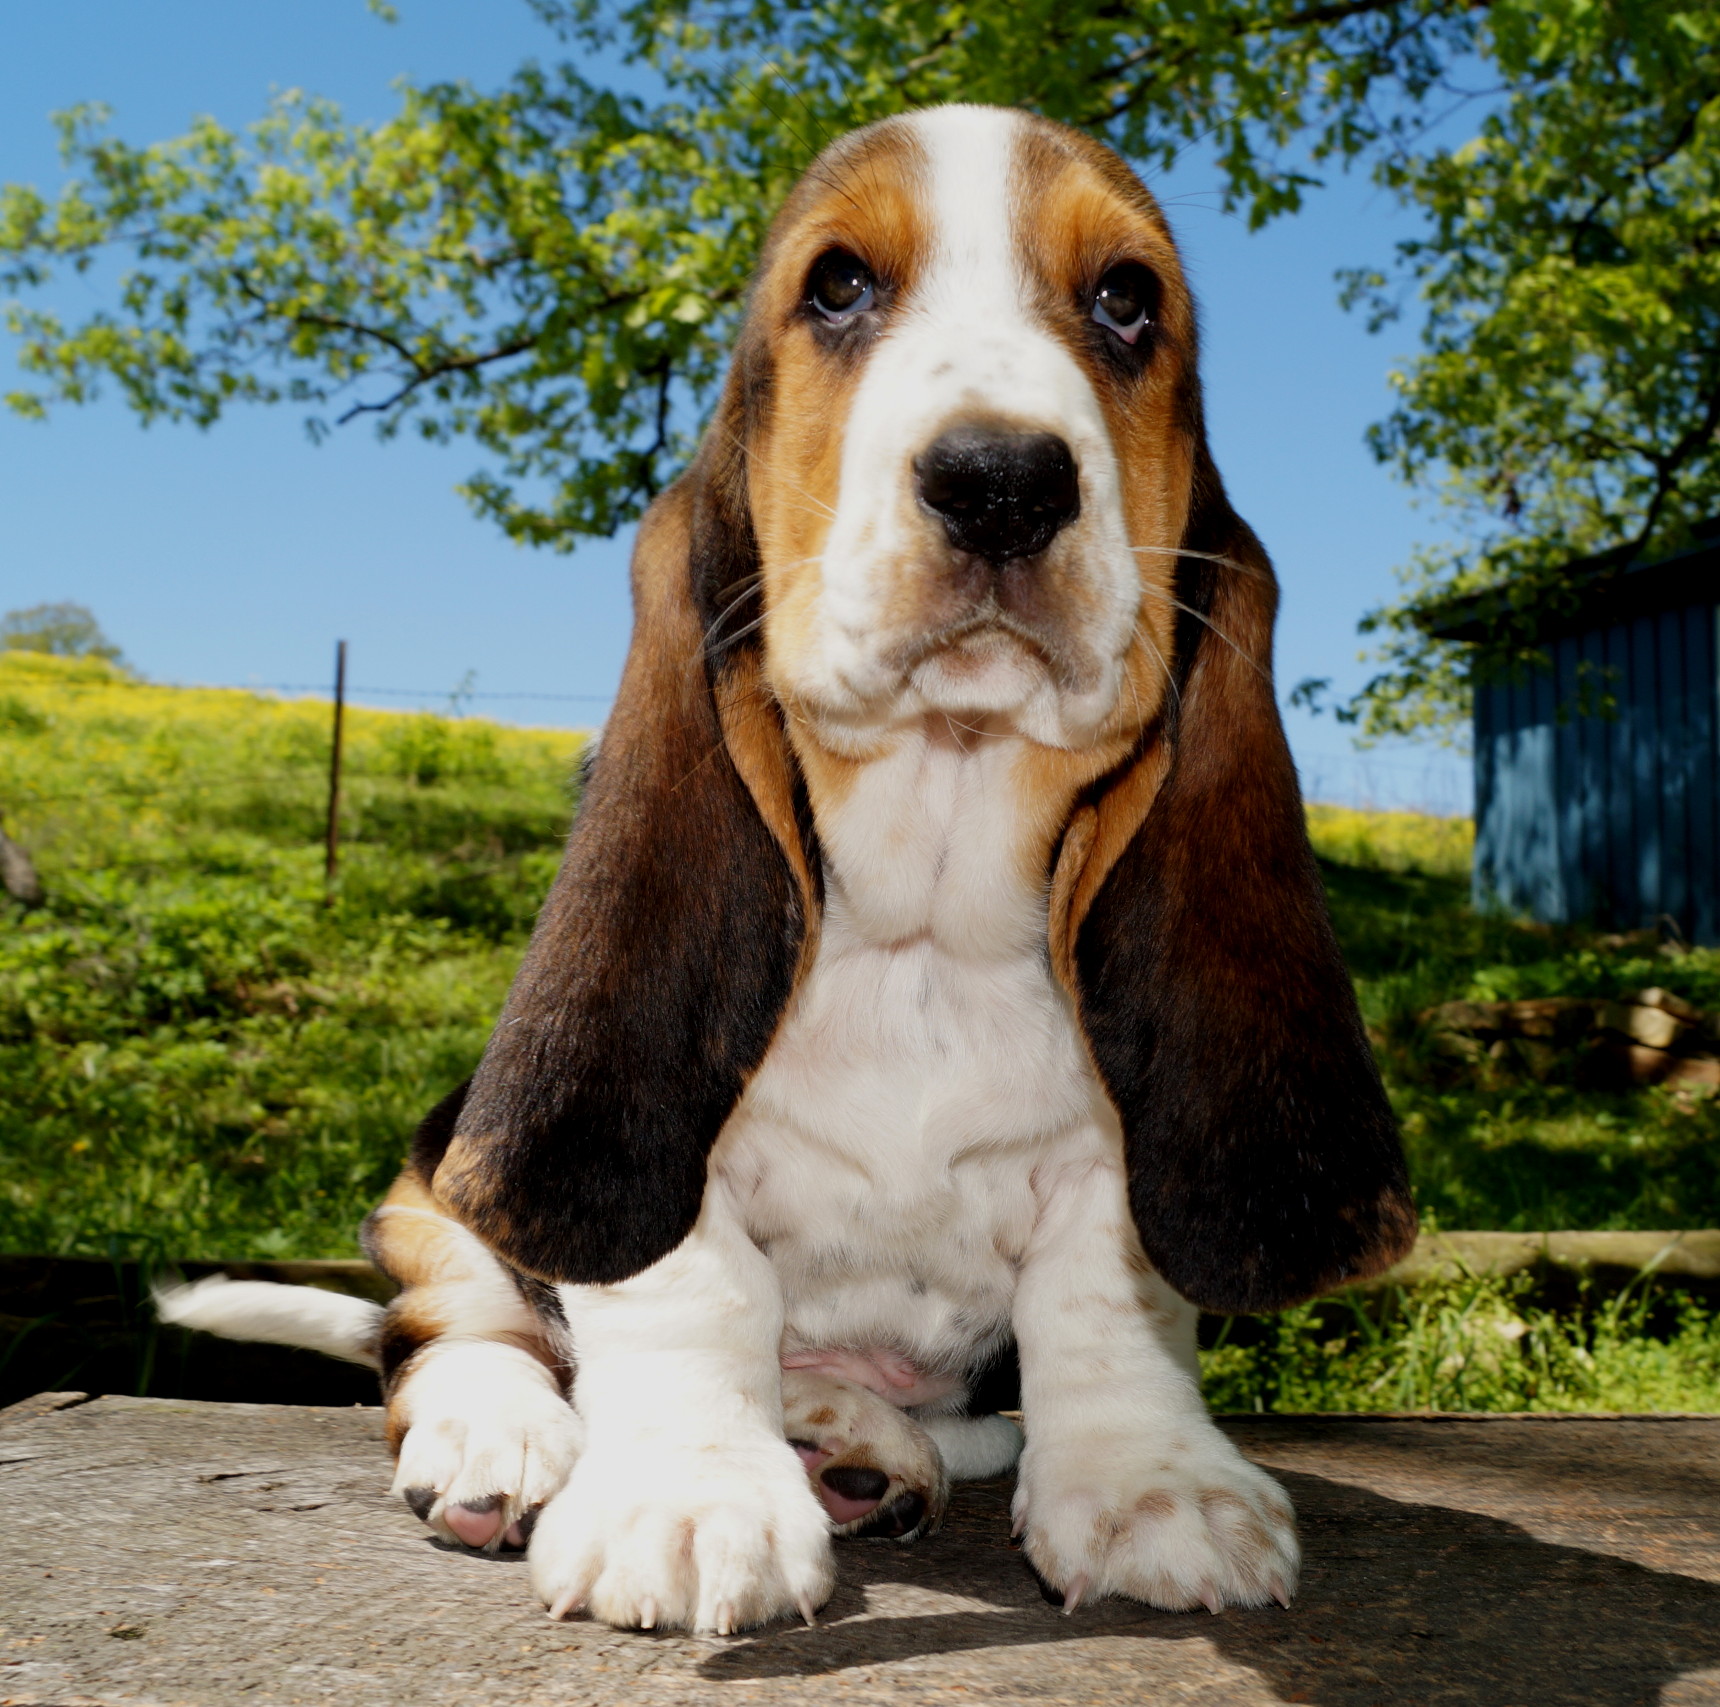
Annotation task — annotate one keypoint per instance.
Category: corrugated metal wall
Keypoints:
(1614, 822)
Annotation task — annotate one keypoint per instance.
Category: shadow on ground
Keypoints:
(1400, 1603)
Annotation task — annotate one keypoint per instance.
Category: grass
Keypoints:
(196, 1054)
(200, 1059)
(1472, 1343)
(1495, 1152)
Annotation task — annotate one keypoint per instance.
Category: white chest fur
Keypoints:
(884, 1154)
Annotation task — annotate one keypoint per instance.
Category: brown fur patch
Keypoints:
(1079, 212)
(752, 727)
(863, 197)
(1097, 835)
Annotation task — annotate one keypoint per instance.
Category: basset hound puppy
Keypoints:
(938, 963)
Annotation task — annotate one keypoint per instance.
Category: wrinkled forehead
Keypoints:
(956, 195)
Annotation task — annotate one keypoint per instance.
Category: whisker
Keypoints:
(1204, 556)
(984, 734)
(749, 585)
(1171, 682)
(734, 639)
(820, 507)
(1201, 617)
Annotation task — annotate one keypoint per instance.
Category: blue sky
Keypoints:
(241, 554)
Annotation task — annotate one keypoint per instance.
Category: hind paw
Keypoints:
(877, 1471)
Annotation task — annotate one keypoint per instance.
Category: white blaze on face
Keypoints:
(965, 345)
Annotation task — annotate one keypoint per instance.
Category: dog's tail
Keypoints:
(303, 1316)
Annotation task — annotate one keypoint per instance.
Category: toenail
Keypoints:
(419, 1502)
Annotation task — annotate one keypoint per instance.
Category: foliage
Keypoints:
(554, 269)
(198, 1058)
(65, 630)
(1567, 400)
(193, 1047)
(1392, 841)
(1471, 1343)
(195, 1052)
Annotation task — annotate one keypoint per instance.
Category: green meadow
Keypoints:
(198, 1056)
(201, 1056)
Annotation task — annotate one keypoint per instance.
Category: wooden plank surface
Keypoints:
(170, 1552)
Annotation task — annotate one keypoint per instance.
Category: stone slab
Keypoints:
(164, 1551)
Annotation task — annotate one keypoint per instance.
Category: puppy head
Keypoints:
(971, 475)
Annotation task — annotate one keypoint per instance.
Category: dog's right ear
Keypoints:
(1264, 1161)
(683, 914)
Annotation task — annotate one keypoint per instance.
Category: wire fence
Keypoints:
(454, 695)
(311, 772)
(1439, 782)
(1442, 784)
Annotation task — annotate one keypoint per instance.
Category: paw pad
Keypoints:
(852, 1490)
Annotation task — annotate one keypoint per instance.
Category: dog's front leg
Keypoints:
(1126, 1485)
(688, 1508)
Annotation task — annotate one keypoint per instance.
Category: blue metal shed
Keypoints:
(1609, 821)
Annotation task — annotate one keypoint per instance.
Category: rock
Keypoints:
(1656, 1027)
(218, 1555)
(18, 875)
(1646, 1065)
(1464, 1017)
(1655, 997)
(1696, 1074)
(1549, 1018)
(1645, 1037)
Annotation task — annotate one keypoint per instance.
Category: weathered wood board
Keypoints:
(162, 1552)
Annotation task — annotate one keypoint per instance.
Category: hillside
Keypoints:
(198, 1058)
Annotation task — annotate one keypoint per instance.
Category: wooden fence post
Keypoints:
(331, 857)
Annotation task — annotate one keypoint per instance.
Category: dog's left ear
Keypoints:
(1264, 1161)
(686, 907)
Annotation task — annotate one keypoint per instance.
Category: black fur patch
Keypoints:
(435, 1131)
(396, 1344)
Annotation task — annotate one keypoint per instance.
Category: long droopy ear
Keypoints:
(671, 940)
(1264, 1162)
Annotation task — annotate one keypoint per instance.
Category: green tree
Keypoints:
(1566, 404)
(554, 269)
(67, 630)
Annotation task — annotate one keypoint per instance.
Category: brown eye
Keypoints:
(840, 286)
(1126, 300)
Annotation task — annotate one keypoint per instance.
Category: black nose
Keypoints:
(1001, 494)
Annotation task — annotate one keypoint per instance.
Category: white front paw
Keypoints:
(489, 1440)
(1178, 1521)
(667, 1533)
